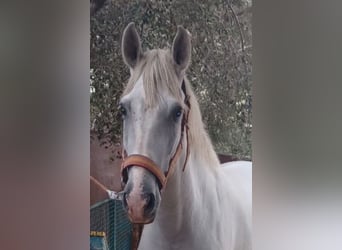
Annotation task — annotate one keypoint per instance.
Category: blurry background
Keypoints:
(220, 72)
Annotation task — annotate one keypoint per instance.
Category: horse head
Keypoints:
(154, 109)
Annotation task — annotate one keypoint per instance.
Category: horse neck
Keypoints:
(197, 185)
(186, 191)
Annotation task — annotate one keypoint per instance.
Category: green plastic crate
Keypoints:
(109, 217)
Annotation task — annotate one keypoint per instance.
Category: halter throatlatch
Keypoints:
(148, 164)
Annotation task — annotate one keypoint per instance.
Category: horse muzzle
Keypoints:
(141, 196)
(141, 207)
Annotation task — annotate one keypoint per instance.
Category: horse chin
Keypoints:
(147, 220)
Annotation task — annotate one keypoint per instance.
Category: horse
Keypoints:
(173, 180)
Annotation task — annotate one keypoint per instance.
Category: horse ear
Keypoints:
(131, 46)
(181, 49)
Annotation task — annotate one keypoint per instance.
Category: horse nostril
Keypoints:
(150, 202)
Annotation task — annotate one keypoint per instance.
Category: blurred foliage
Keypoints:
(220, 72)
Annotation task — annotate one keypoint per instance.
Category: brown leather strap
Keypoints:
(175, 157)
(186, 127)
(144, 162)
(180, 143)
(187, 146)
(136, 235)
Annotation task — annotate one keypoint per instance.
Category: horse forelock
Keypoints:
(159, 75)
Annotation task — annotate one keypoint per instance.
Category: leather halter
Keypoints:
(148, 164)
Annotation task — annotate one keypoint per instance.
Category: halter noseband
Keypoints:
(148, 164)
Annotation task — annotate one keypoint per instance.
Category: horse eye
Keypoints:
(122, 111)
(178, 112)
